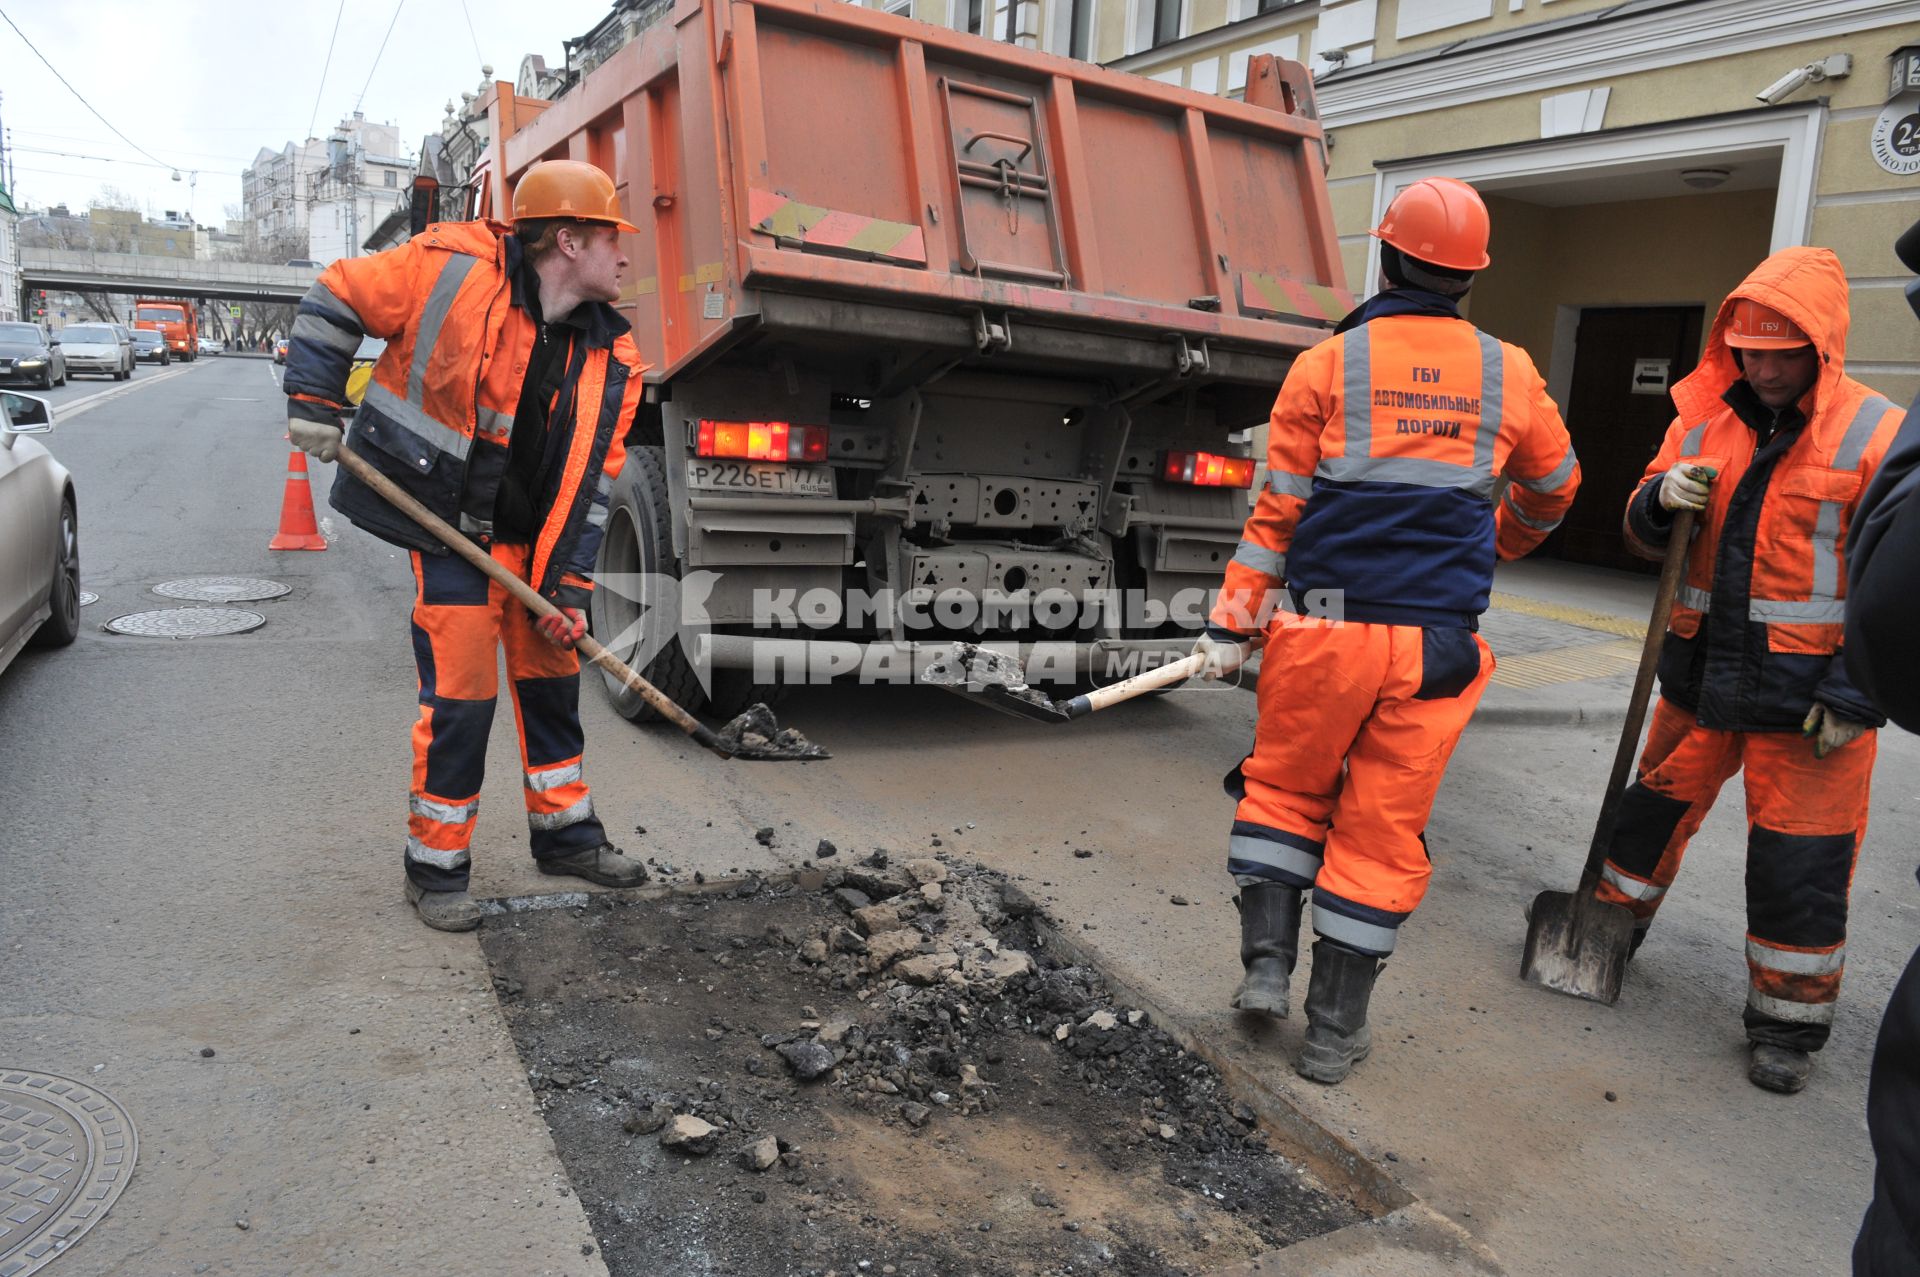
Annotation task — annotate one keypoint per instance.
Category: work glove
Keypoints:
(1828, 730)
(318, 439)
(563, 629)
(1223, 656)
(1685, 487)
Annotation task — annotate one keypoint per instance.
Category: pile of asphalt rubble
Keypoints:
(947, 961)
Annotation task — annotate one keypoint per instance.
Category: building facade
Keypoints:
(10, 300)
(321, 198)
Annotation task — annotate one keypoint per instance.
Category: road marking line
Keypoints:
(68, 411)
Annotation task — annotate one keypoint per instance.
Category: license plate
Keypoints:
(713, 475)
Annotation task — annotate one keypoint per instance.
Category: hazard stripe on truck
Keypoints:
(1279, 295)
(785, 218)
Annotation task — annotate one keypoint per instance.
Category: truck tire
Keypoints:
(638, 546)
(734, 690)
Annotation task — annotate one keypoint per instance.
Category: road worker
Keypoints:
(1384, 452)
(500, 403)
(1773, 446)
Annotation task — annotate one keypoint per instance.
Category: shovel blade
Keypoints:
(993, 679)
(756, 736)
(1577, 945)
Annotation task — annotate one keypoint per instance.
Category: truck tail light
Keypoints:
(1207, 470)
(762, 441)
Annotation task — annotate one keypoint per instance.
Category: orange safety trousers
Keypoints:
(1357, 722)
(1805, 819)
(461, 620)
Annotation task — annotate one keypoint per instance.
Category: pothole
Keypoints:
(66, 1153)
(187, 622)
(891, 1070)
(222, 589)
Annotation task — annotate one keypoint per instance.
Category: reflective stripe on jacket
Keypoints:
(438, 413)
(1758, 620)
(1383, 454)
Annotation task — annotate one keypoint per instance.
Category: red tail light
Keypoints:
(1207, 470)
(762, 441)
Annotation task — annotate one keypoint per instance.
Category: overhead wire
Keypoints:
(377, 54)
(325, 67)
(76, 93)
(478, 56)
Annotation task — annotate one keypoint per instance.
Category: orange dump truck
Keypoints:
(177, 321)
(949, 339)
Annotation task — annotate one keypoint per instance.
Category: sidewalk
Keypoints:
(1567, 639)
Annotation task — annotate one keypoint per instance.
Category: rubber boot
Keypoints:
(1269, 945)
(1779, 1068)
(606, 865)
(444, 910)
(1337, 992)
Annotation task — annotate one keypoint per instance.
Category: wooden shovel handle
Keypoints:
(1671, 568)
(529, 597)
(1139, 685)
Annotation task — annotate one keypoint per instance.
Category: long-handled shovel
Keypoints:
(996, 679)
(1576, 943)
(753, 735)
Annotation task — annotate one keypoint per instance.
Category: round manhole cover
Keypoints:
(88, 596)
(221, 589)
(187, 622)
(66, 1152)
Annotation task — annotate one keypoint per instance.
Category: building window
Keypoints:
(391, 176)
(1166, 22)
(1080, 30)
(975, 16)
(904, 8)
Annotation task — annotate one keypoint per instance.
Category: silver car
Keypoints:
(39, 533)
(102, 348)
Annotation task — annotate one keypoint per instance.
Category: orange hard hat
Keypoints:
(568, 188)
(1758, 327)
(1440, 220)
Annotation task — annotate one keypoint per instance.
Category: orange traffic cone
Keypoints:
(297, 528)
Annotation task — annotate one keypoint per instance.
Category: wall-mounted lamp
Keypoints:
(1705, 179)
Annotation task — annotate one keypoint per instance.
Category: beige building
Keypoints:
(1639, 158)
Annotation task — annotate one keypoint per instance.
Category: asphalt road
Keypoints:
(200, 846)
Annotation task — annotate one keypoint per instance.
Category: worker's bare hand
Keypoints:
(1828, 730)
(1687, 486)
(564, 629)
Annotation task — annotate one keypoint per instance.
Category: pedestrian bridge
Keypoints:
(80, 270)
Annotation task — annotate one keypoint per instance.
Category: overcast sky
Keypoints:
(204, 84)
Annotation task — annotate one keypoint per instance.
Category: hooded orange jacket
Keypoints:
(1756, 627)
(439, 411)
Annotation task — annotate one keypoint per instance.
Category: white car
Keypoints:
(208, 346)
(106, 348)
(39, 527)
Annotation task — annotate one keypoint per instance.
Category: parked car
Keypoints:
(280, 351)
(151, 347)
(99, 348)
(27, 354)
(39, 526)
(307, 262)
(209, 345)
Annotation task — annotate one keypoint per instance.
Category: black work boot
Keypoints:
(1337, 992)
(443, 910)
(1269, 944)
(605, 864)
(1779, 1068)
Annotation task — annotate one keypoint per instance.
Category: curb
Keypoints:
(1550, 715)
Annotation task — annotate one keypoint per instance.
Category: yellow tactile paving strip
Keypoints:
(1625, 627)
(1568, 664)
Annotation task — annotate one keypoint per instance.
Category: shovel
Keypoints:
(755, 734)
(997, 680)
(1577, 944)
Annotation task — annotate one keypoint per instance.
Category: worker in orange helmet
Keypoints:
(1773, 446)
(500, 403)
(1384, 451)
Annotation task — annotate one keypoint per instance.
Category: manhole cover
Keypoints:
(88, 596)
(186, 622)
(221, 589)
(66, 1152)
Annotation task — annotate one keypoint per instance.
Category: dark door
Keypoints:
(1625, 360)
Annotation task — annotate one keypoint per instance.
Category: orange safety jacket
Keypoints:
(1383, 453)
(1757, 624)
(439, 411)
